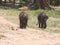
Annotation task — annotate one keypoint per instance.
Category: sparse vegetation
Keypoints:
(1, 36)
(11, 34)
(53, 21)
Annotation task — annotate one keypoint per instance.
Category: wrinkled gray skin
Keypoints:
(23, 18)
(42, 18)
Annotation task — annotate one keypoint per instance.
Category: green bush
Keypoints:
(55, 2)
(22, 3)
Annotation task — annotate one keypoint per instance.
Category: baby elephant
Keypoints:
(42, 18)
(23, 20)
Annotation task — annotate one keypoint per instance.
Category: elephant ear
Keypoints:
(45, 17)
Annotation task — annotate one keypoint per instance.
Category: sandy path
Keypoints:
(25, 36)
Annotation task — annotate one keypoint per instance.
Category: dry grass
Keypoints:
(29, 36)
(53, 21)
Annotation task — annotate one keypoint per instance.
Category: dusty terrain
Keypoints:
(57, 8)
(15, 36)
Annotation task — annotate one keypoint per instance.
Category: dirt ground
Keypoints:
(57, 8)
(15, 36)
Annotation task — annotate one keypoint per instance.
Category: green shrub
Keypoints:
(55, 2)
